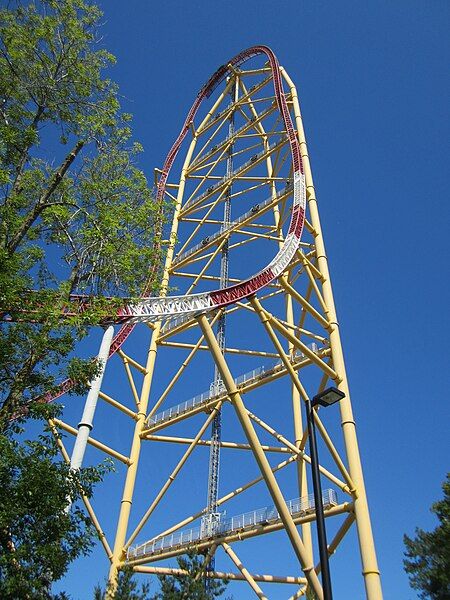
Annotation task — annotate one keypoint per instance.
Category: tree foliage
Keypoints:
(39, 535)
(76, 214)
(127, 588)
(428, 553)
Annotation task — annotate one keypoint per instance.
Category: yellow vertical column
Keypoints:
(130, 480)
(370, 571)
(298, 432)
(127, 498)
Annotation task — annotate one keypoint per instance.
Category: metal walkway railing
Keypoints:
(222, 526)
(203, 398)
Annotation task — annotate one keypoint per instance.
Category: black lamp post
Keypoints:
(325, 398)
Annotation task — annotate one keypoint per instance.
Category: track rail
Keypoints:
(155, 309)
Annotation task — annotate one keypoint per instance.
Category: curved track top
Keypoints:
(155, 309)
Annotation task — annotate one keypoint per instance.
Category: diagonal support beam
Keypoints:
(331, 549)
(131, 380)
(305, 304)
(101, 534)
(300, 453)
(252, 583)
(334, 453)
(225, 498)
(173, 475)
(260, 457)
(266, 321)
(209, 555)
(180, 371)
(300, 345)
(296, 381)
(93, 442)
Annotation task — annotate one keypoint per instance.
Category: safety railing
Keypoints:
(223, 527)
(204, 397)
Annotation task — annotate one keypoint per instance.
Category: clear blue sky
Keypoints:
(373, 83)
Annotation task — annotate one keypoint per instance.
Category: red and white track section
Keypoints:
(155, 309)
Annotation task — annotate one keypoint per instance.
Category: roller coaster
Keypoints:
(247, 258)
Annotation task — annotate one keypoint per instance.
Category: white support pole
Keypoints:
(86, 423)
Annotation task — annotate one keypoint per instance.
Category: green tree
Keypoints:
(76, 216)
(428, 553)
(127, 588)
(39, 537)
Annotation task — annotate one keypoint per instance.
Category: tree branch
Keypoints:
(24, 157)
(42, 203)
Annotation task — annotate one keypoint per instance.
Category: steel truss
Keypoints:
(282, 333)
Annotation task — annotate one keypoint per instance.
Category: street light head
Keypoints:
(329, 396)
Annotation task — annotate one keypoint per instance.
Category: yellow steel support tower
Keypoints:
(282, 346)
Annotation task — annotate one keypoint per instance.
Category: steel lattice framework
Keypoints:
(242, 189)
